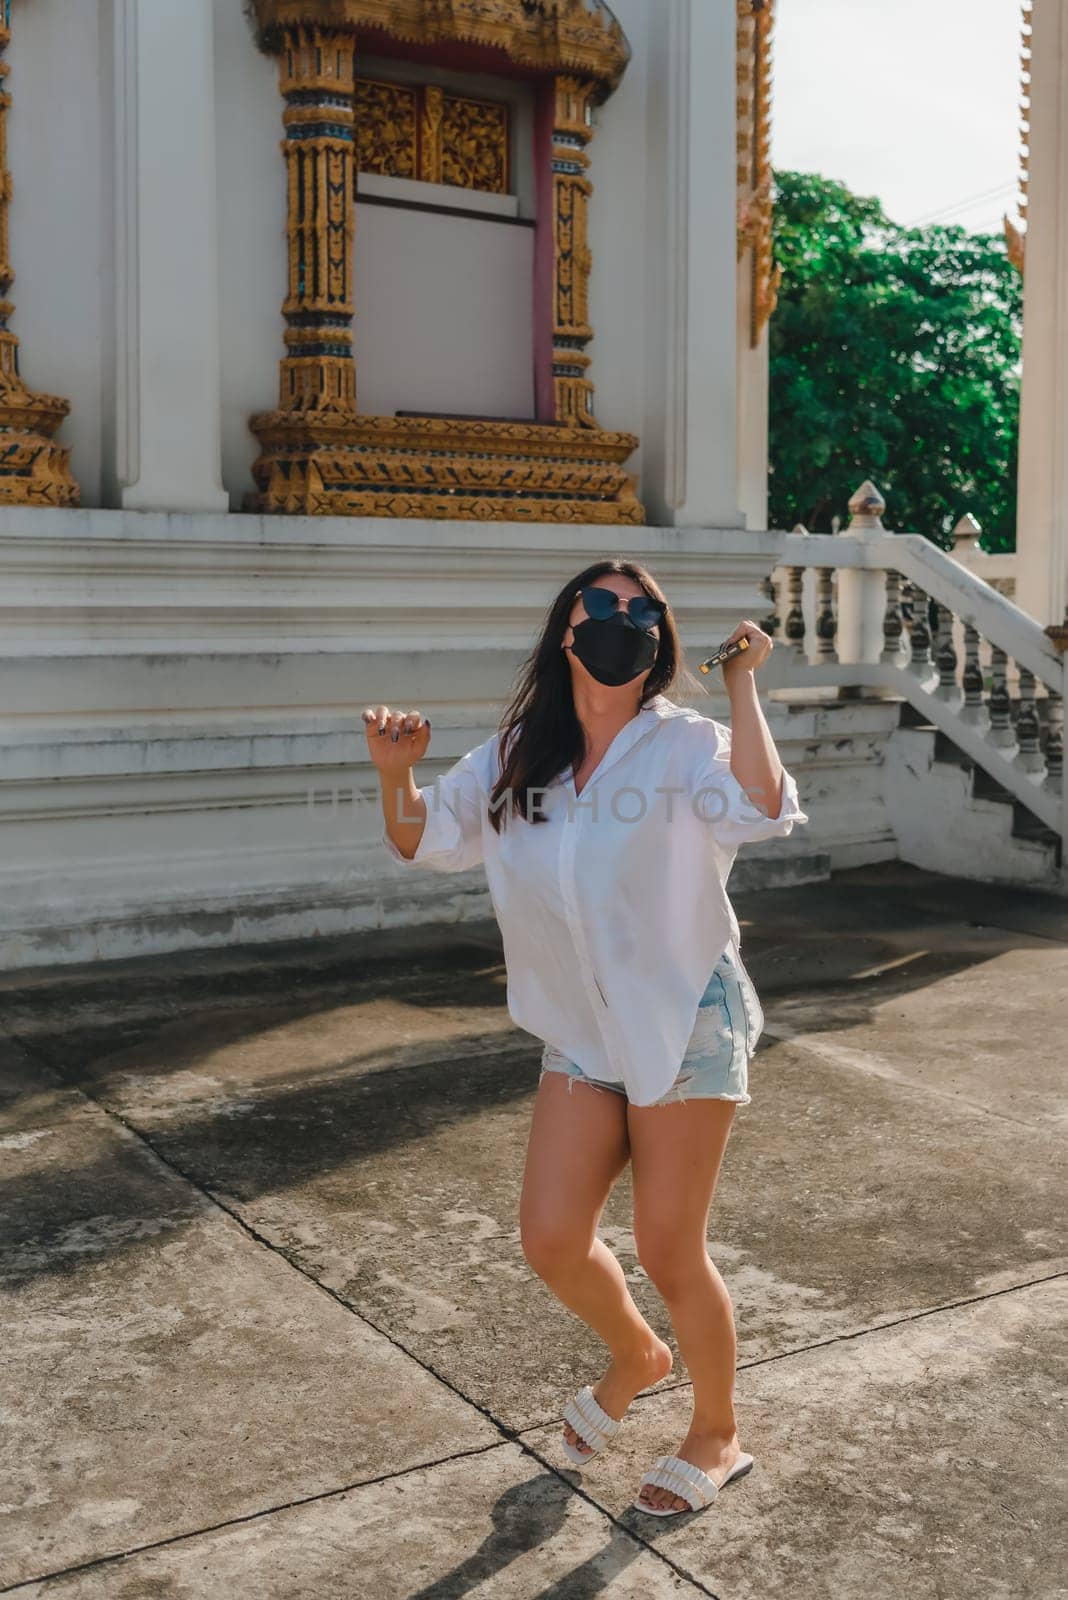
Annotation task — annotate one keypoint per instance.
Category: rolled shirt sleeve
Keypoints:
(720, 799)
(452, 836)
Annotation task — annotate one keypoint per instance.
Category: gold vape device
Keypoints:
(725, 653)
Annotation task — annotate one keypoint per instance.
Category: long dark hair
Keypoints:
(540, 733)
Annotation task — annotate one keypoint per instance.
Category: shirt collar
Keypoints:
(655, 710)
(660, 706)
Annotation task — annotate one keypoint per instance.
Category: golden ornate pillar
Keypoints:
(317, 82)
(572, 132)
(317, 377)
(756, 19)
(1016, 232)
(33, 469)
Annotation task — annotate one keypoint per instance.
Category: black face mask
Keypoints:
(613, 652)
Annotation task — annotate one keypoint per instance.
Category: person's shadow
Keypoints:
(525, 1517)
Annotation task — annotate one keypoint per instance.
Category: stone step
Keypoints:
(910, 717)
(778, 869)
(942, 824)
(985, 787)
(1025, 825)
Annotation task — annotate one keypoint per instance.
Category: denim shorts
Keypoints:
(715, 1065)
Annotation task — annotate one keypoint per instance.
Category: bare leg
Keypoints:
(578, 1147)
(676, 1151)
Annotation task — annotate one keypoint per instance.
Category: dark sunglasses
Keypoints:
(601, 603)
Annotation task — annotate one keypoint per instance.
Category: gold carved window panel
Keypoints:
(422, 131)
(387, 129)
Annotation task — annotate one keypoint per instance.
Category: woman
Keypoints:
(607, 818)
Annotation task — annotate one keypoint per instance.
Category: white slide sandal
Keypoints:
(592, 1424)
(688, 1482)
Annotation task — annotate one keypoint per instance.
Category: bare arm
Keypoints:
(754, 759)
(396, 740)
(404, 810)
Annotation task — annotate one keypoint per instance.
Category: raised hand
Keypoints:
(396, 740)
(760, 648)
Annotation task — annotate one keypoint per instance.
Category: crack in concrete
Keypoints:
(510, 1435)
(866, 1061)
(857, 1060)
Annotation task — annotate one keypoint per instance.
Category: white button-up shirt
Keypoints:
(614, 911)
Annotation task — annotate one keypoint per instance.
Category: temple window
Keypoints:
(452, 182)
(426, 136)
(444, 239)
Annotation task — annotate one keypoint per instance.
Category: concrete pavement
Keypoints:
(269, 1330)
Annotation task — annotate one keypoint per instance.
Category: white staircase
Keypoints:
(948, 816)
(972, 772)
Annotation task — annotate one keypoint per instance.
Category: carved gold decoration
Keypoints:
(1015, 244)
(430, 141)
(316, 79)
(421, 131)
(1016, 235)
(441, 467)
(755, 22)
(576, 36)
(474, 140)
(572, 132)
(318, 456)
(34, 470)
(387, 129)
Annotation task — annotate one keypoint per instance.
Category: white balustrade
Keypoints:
(893, 614)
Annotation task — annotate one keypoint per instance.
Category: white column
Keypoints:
(752, 406)
(690, 431)
(1042, 494)
(167, 389)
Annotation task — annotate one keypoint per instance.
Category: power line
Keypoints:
(962, 205)
(965, 200)
(991, 225)
(957, 213)
(978, 205)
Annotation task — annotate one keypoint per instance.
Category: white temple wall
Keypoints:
(181, 682)
(752, 407)
(59, 215)
(251, 202)
(1042, 495)
(621, 220)
(444, 314)
(669, 323)
(131, 272)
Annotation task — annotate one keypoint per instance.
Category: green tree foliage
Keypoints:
(894, 356)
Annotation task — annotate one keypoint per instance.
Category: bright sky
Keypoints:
(916, 101)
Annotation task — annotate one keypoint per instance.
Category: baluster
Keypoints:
(1028, 727)
(770, 623)
(907, 609)
(999, 705)
(973, 709)
(1055, 742)
(795, 617)
(893, 621)
(946, 656)
(826, 622)
(920, 661)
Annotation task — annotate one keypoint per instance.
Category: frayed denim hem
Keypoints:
(674, 1096)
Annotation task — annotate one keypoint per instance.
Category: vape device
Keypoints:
(725, 653)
